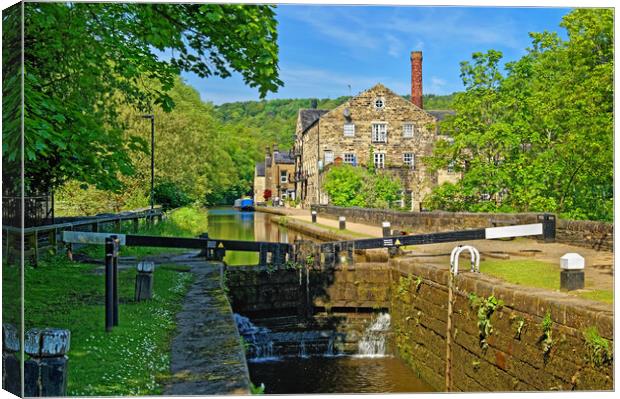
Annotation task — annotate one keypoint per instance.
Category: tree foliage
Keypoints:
(540, 136)
(86, 61)
(349, 185)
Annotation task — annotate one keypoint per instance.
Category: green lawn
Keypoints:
(134, 357)
(533, 273)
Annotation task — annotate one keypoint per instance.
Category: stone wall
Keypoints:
(258, 290)
(589, 234)
(521, 354)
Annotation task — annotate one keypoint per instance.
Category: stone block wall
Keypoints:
(588, 234)
(521, 354)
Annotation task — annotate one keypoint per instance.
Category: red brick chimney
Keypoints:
(416, 78)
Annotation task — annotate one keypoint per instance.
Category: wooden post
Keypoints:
(262, 255)
(70, 246)
(34, 247)
(11, 370)
(95, 227)
(135, 224)
(117, 225)
(342, 222)
(111, 252)
(45, 373)
(144, 281)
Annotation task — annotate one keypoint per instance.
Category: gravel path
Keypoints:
(207, 356)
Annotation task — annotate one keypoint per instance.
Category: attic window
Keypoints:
(379, 103)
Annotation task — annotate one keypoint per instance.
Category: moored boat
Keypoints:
(244, 204)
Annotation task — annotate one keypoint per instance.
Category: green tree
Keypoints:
(84, 61)
(349, 185)
(539, 138)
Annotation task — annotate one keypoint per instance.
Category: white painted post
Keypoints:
(45, 373)
(342, 222)
(11, 370)
(572, 276)
(144, 281)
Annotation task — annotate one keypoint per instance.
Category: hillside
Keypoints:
(274, 120)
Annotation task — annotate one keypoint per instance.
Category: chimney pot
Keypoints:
(416, 78)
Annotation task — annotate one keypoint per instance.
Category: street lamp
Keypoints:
(152, 118)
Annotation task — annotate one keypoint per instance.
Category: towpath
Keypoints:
(207, 355)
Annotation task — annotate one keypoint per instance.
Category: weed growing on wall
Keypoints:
(599, 351)
(546, 339)
(485, 307)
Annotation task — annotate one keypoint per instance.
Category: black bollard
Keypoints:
(45, 373)
(313, 213)
(144, 281)
(11, 370)
(342, 222)
(111, 282)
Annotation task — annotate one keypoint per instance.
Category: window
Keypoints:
(349, 130)
(408, 130)
(379, 160)
(350, 158)
(379, 103)
(379, 133)
(329, 157)
(283, 176)
(409, 159)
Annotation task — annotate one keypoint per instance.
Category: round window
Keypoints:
(379, 103)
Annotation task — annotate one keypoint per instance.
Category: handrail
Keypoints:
(143, 212)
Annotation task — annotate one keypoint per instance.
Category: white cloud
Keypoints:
(437, 85)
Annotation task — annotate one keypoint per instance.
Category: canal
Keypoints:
(312, 372)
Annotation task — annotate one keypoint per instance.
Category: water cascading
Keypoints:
(261, 344)
(372, 343)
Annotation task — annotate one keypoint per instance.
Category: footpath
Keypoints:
(599, 264)
(207, 357)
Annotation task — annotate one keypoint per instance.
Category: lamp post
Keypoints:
(152, 118)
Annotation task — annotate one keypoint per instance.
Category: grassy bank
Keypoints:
(533, 273)
(182, 222)
(130, 360)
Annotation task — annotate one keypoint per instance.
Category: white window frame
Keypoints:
(351, 155)
(411, 162)
(408, 130)
(379, 158)
(283, 176)
(379, 132)
(328, 159)
(351, 132)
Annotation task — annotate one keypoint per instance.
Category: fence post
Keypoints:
(45, 373)
(144, 281)
(387, 232)
(342, 222)
(11, 370)
(135, 224)
(111, 282)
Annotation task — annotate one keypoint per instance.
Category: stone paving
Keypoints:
(207, 355)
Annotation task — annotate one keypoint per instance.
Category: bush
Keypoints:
(170, 196)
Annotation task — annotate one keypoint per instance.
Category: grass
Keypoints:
(134, 358)
(533, 273)
(182, 222)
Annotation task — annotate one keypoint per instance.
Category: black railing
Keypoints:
(38, 211)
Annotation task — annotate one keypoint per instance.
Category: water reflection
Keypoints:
(231, 224)
(336, 375)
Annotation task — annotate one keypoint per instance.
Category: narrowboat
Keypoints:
(244, 204)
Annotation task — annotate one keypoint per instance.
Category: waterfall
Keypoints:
(261, 345)
(303, 353)
(372, 343)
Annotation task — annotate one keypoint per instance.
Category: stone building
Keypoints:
(397, 133)
(259, 183)
(277, 171)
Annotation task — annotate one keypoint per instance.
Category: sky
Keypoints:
(324, 49)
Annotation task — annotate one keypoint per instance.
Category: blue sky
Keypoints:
(323, 49)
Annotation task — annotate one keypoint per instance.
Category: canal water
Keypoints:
(312, 373)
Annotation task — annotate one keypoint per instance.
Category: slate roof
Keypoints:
(260, 168)
(440, 114)
(284, 158)
(309, 116)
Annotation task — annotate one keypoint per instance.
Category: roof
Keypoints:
(440, 114)
(260, 168)
(284, 158)
(309, 116)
